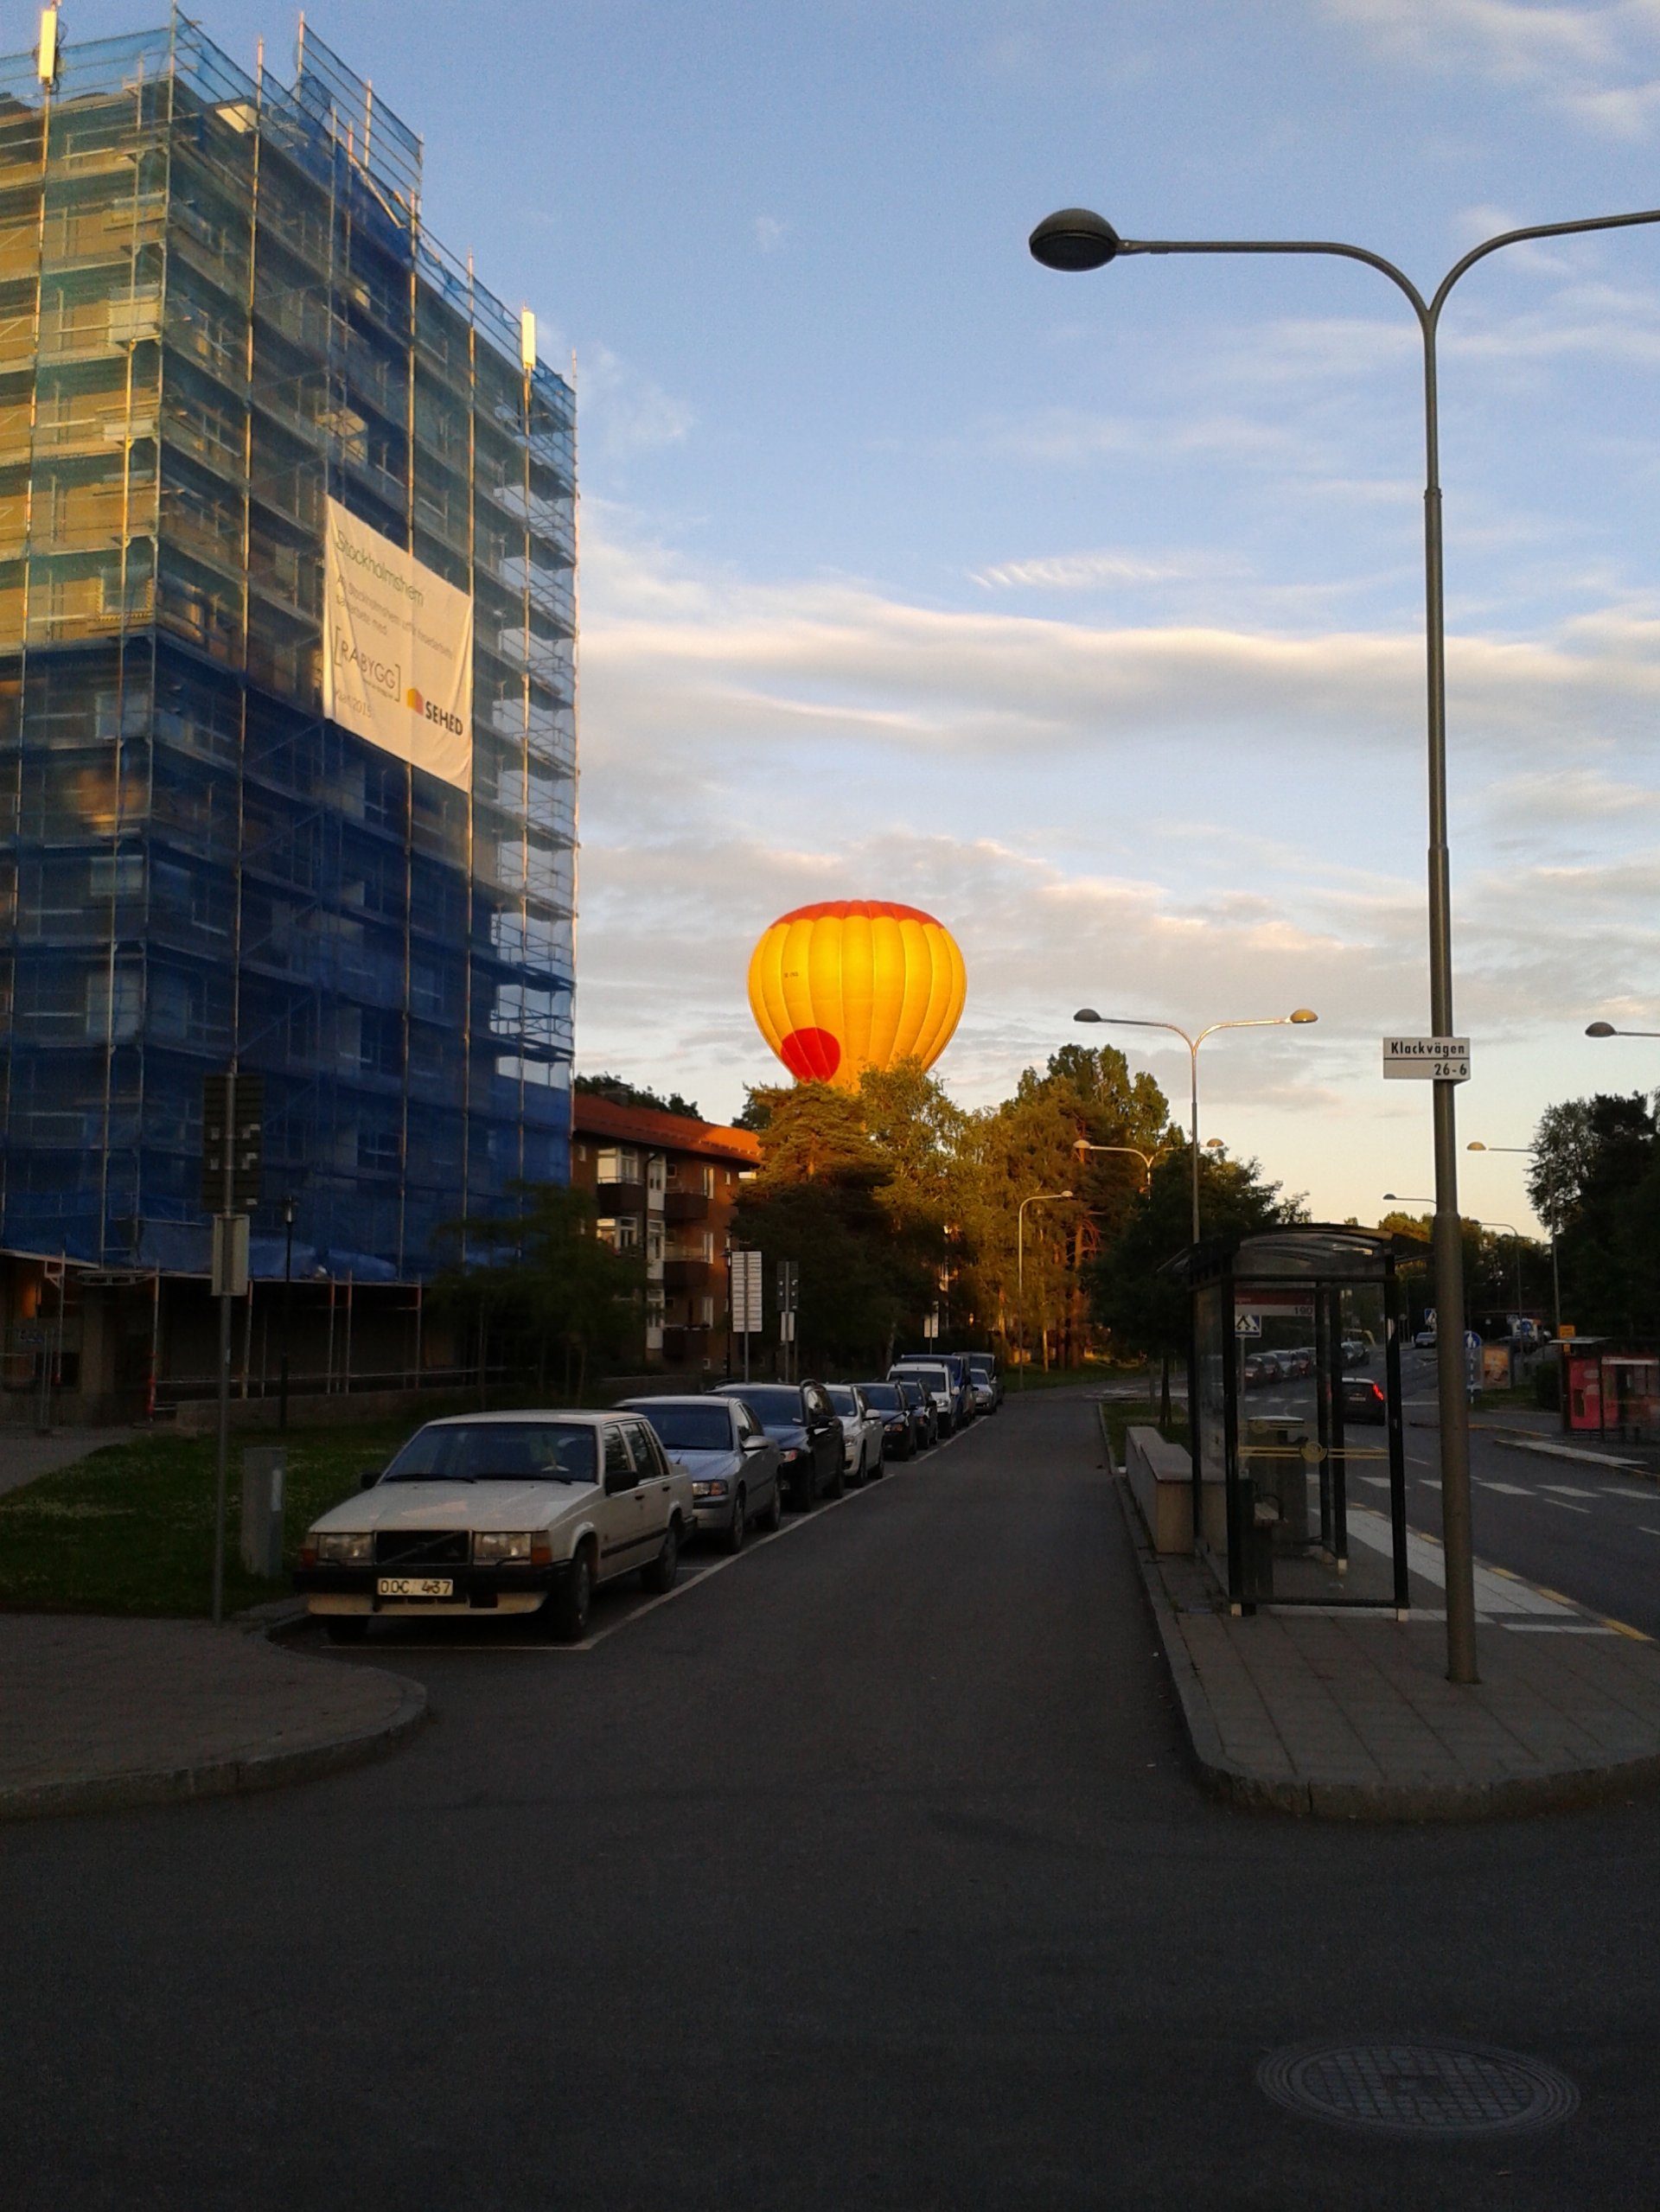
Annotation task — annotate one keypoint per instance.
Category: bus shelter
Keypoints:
(1295, 1403)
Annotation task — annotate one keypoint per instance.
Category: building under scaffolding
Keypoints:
(222, 326)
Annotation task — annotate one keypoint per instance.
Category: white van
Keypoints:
(937, 1381)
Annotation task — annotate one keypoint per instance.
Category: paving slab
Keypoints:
(1347, 1714)
(105, 1713)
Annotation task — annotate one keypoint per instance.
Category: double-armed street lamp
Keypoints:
(1078, 239)
(1037, 1198)
(1132, 1151)
(1135, 1022)
(1510, 1228)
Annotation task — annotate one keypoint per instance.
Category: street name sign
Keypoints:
(1427, 1060)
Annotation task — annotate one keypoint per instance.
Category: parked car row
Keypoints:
(507, 1514)
(1260, 1370)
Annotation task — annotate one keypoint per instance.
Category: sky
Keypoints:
(1086, 611)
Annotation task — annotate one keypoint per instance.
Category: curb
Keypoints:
(1347, 1800)
(230, 1777)
(1524, 1440)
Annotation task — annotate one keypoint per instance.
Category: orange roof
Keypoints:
(594, 1116)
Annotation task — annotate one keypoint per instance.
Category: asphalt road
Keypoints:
(1590, 1532)
(865, 1873)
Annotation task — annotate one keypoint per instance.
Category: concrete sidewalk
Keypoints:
(24, 1455)
(1348, 1715)
(105, 1714)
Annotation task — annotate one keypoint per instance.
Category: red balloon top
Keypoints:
(840, 909)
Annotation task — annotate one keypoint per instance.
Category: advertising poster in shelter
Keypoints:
(397, 650)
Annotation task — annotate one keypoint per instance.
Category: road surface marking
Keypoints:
(1562, 1505)
(1569, 1490)
(1511, 1489)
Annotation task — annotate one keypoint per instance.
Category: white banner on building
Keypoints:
(397, 650)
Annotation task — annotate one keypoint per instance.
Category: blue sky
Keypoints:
(1086, 611)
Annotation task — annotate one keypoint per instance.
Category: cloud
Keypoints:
(624, 412)
(769, 232)
(1084, 571)
(1599, 64)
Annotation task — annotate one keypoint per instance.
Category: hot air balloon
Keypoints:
(855, 983)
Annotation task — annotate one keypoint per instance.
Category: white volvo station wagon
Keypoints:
(501, 1513)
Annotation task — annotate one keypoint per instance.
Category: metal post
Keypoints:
(227, 1192)
(153, 1376)
(57, 1352)
(346, 1380)
(288, 1312)
(1193, 1058)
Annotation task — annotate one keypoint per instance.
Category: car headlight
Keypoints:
(711, 1490)
(498, 1548)
(345, 1547)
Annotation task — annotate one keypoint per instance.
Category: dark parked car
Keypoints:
(1363, 1399)
(924, 1415)
(1255, 1370)
(807, 1430)
(887, 1401)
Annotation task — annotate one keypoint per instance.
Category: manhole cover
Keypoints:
(1418, 2088)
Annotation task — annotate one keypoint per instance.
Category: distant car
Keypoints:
(1363, 1399)
(935, 1379)
(1355, 1351)
(956, 1367)
(887, 1401)
(497, 1513)
(1425, 1340)
(983, 1390)
(924, 1414)
(984, 1363)
(1254, 1371)
(862, 1427)
(803, 1423)
(732, 1462)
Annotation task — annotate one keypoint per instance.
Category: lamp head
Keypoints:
(1602, 1030)
(1086, 1014)
(1475, 1145)
(1073, 239)
(1305, 1013)
(1389, 1195)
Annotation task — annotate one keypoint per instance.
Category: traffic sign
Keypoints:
(1248, 1324)
(233, 1121)
(746, 1293)
(1426, 1060)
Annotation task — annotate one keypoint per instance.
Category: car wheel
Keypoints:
(773, 1518)
(659, 1575)
(857, 1478)
(881, 1466)
(834, 1487)
(567, 1604)
(804, 1490)
(346, 1628)
(740, 1524)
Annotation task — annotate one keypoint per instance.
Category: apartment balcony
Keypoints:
(615, 1198)
(685, 1205)
(688, 1275)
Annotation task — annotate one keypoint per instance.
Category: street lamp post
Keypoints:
(1076, 238)
(1037, 1198)
(1135, 1022)
(1607, 1030)
(288, 1306)
(1526, 1152)
(1133, 1151)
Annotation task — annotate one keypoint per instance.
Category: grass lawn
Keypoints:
(1123, 1414)
(130, 1530)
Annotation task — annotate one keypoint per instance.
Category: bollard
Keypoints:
(262, 1468)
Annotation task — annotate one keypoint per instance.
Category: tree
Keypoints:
(1148, 1311)
(550, 1287)
(1596, 1181)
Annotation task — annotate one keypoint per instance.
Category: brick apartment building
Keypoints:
(666, 1185)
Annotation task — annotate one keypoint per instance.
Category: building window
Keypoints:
(618, 1166)
(705, 1313)
(655, 1172)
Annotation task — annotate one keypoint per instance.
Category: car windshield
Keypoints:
(884, 1396)
(772, 1405)
(691, 1428)
(841, 1398)
(497, 1452)
(911, 1392)
(931, 1378)
(982, 1363)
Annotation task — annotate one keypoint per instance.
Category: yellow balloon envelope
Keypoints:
(855, 983)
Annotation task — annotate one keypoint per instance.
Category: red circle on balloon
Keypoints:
(811, 1055)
